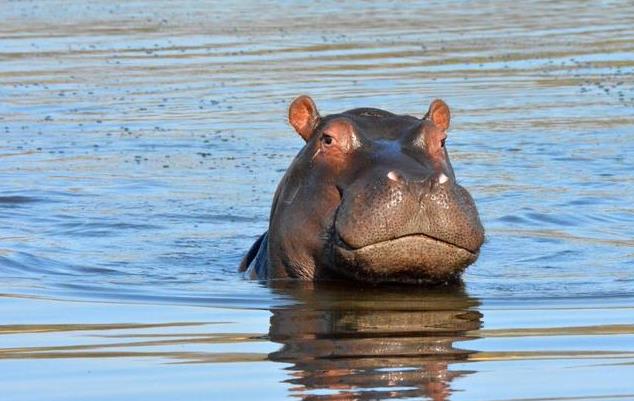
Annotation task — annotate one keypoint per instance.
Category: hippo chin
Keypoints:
(371, 197)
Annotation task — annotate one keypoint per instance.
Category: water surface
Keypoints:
(140, 145)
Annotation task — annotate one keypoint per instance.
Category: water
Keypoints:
(141, 144)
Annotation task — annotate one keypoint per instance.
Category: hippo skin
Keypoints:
(371, 197)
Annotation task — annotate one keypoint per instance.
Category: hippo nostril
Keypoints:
(395, 176)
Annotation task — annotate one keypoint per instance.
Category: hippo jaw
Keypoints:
(413, 258)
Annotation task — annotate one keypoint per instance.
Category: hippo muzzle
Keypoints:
(404, 222)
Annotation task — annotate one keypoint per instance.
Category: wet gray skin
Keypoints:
(372, 197)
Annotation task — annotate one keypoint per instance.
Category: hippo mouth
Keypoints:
(423, 237)
(413, 258)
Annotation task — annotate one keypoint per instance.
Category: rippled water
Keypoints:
(141, 144)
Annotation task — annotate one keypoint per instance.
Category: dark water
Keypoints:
(140, 145)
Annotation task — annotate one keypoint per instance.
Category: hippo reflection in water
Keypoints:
(372, 197)
(372, 344)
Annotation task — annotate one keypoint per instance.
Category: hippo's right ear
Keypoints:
(303, 116)
(439, 114)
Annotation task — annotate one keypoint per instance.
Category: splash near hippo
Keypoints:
(370, 197)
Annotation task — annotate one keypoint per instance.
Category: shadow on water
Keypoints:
(372, 343)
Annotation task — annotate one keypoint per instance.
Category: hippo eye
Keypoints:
(327, 140)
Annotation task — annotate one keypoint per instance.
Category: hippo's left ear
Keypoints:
(438, 113)
(303, 116)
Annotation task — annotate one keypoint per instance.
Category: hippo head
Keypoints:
(372, 196)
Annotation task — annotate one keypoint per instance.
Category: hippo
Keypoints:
(371, 197)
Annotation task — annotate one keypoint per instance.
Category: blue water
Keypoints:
(140, 145)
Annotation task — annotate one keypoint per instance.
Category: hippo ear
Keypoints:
(438, 113)
(303, 116)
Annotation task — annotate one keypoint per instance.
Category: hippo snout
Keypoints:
(378, 210)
